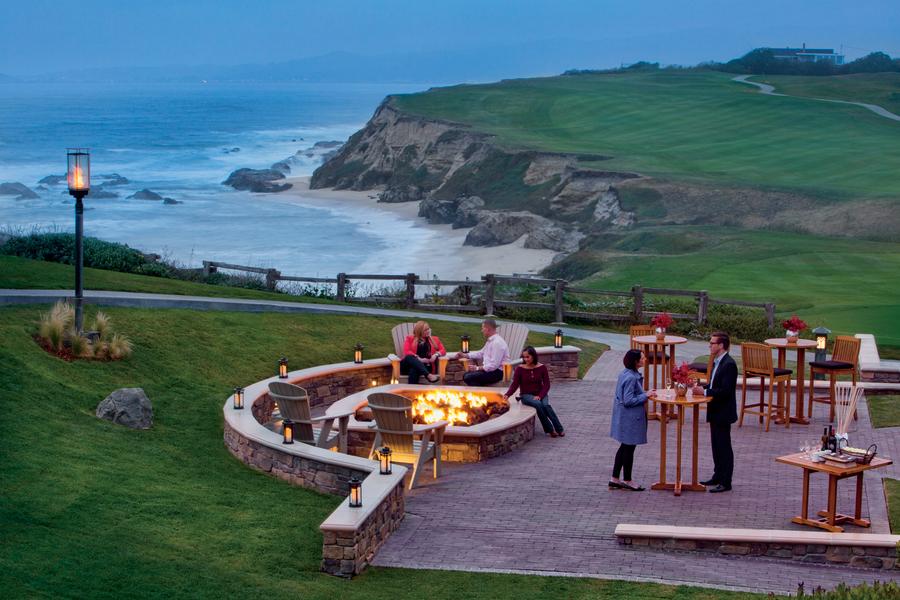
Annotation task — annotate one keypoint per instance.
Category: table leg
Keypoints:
(696, 426)
(834, 518)
(783, 415)
(804, 519)
(805, 512)
(832, 499)
(662, 484)
(859, 491)
(678, 451)
(801, 386)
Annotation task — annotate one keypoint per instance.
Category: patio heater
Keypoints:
(355, 492)
(384, 460)
(821, 347)
(78, 176)
(238, 398)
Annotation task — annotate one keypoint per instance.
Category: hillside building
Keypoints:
(809, 55)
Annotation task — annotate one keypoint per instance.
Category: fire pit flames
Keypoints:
(458, 408)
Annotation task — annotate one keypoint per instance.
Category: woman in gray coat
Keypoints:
(629, 418)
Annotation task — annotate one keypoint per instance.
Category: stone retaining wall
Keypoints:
(319, 476)
(856, 556)
(347, 553)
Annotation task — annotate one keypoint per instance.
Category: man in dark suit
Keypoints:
(721, 411)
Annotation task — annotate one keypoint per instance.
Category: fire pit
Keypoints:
(482, 424)
(457, 407)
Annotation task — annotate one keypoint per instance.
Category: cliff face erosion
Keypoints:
(463, 178)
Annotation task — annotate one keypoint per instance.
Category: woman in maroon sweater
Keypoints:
(533, 382)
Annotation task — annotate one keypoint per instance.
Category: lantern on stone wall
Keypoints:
(282, 368)
(357, 354)
(355, 492)
(238, 398)
(287, 430)
(384, 460)
(558, 339)
(464, 343)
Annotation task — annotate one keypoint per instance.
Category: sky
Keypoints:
(39, 36)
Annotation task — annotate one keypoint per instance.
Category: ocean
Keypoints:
(182, 141)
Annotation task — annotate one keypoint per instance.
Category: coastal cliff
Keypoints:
(462, 177)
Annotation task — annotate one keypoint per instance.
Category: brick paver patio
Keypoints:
(546, 508)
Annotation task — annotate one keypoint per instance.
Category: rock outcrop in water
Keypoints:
(257, 180)
(463, 177)
(19, 190)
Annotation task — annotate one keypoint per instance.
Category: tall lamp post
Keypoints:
(78, 176)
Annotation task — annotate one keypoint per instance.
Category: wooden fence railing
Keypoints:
(489, 299)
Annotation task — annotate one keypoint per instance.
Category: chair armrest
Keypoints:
(392, 357)
(340, 415)
(514, 363)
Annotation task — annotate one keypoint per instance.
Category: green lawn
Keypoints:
(849, 286)
(697, 126)
(91, 509)
(884, 411)
(882, 89)
(892, 491)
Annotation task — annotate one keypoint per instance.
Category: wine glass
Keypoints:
(668, 387)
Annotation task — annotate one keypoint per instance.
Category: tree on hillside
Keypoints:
(876, 62)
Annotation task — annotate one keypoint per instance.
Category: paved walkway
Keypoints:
(769, 90)
(546, 508)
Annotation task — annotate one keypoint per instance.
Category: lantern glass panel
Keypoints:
(384, 459)
(355, 492)
(238, 398)
(78, 174)
(288, 432)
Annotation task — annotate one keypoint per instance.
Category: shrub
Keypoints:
(60, 247)
(864, 591)
(80, 345)
(119, 346)
(101, 325)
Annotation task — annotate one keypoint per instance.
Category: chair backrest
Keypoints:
(399, 333)
(394, 420)
(514, 334)
(846, 349)
(846, 397)
(293, 404)
(756, 358)
(639, 330)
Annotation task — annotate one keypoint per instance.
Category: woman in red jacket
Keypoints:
(421, 351)
(533, 381)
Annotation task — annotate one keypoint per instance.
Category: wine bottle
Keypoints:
(825, 439)
(832, 439)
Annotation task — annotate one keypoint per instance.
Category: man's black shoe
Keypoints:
(710, 481)
(720, 488)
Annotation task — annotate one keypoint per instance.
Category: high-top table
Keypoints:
(830, 517)
(800, 346)
(652, 345)
(669, 398)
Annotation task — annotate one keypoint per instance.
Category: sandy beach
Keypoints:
(433, 250)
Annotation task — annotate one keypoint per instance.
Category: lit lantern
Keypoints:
(464, 343)
(78, 174)
(821, 346)
(355, 492)
(287, 431)
(238, 398)
(394, 381)
(384, 460)
(374, 382)
(558, 339)
(282, 368)
(357, 354)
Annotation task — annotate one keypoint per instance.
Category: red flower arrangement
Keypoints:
(662, 321)
(795, 323)
(682, 374)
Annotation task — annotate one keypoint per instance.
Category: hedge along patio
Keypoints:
(351, 536)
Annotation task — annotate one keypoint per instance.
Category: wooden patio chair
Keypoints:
(844, 360)
(395, 429)
(757, 361)
(293, 404)
(398, 335)
(515, 335)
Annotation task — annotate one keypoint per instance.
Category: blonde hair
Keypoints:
(419, 329)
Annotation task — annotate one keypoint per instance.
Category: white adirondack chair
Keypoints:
(394, 428)
(293, 404)
(399, 334)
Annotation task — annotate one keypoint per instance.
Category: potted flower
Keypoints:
(792, 328)
(661, 322)
(681, 377)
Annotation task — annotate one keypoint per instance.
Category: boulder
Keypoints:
(21, 191)
(113, 179)
(405, 193)
(53, 179)
(435, 210)
(257, 180)
(146, 194)
(282, 166)
(497, 229)
(171, 201)
(98, 193)
(127, 406)
(469, 211)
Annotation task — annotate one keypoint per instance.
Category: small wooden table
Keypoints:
(800, 346)
(650, 344)
(830, 517)
(668, 398)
